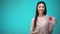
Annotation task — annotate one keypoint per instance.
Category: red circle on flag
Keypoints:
(50, 18)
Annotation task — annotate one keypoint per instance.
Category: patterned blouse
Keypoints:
(43, 24)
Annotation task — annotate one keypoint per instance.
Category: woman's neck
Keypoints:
(41, 15)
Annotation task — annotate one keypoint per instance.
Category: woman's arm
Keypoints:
(32, 27)
(51, 25)
(50, 28)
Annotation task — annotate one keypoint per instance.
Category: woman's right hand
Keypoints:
(34, 32)
(38, 29)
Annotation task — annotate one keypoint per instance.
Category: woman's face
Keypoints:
(41, 8)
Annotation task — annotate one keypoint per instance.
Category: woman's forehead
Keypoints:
(41, 4)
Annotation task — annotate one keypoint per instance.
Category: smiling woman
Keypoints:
(42, 23)
(16, 15)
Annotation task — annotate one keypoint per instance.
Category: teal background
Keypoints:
(16, 15)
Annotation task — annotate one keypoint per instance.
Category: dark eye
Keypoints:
(43, 7)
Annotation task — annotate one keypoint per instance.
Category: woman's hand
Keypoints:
(52, 20)
(34, 32)
(38, 29)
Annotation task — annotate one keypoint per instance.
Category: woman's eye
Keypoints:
(43, 7)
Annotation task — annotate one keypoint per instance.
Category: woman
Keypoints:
(42, 23)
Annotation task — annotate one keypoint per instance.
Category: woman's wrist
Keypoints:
(34, 32)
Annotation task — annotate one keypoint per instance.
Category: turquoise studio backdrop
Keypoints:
(16, 15)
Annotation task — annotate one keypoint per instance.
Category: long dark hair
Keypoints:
(37, 13)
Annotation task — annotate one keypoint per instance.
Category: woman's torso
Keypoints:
(42, 24)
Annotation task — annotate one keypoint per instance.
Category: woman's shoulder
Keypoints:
(33, 18)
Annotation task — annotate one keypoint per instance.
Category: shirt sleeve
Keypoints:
(32, 24)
